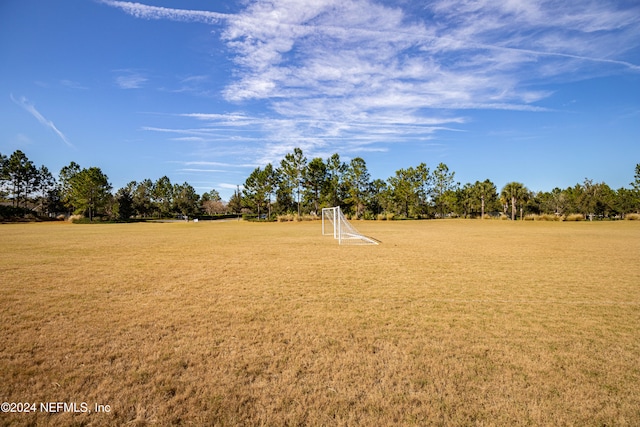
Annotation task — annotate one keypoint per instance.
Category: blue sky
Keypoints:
(545, 92)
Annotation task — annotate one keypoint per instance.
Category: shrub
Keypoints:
(544, 217)
(574, 217)
(632, 217)
(216, 217)
(385, 216)
(253, 217)
(81, 219)
(10, 212)
(286, 218)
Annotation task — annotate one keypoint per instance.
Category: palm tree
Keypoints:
(513, 191)
(486, 190)
(523, 197)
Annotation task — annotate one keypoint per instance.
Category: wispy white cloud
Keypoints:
(31, 109)
(230, 186)
(590, 32)
(73, 85)
(483, 50)
(197, 85)
(219, 164)
(22, 140)
(143, 11)
(466, 53)
(256, 141)
(200, 170)
(342, 75)
(190, 139)
(130, 79)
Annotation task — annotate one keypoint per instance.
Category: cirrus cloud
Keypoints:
(31, 109)
(357, 75)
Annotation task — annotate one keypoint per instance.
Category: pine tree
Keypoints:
(89, 191)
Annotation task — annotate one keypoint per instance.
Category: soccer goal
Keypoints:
(334, 223)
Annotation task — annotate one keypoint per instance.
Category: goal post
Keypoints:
(336, 224)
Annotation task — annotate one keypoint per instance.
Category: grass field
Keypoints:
(447, 322)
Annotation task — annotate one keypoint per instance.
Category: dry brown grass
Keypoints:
(445, 323)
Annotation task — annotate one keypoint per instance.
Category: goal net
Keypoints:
(334, 223)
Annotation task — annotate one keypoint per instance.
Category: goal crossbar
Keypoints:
(335, 223)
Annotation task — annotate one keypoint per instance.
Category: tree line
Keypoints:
(27, 189)
(302, 186)
(298, 186)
